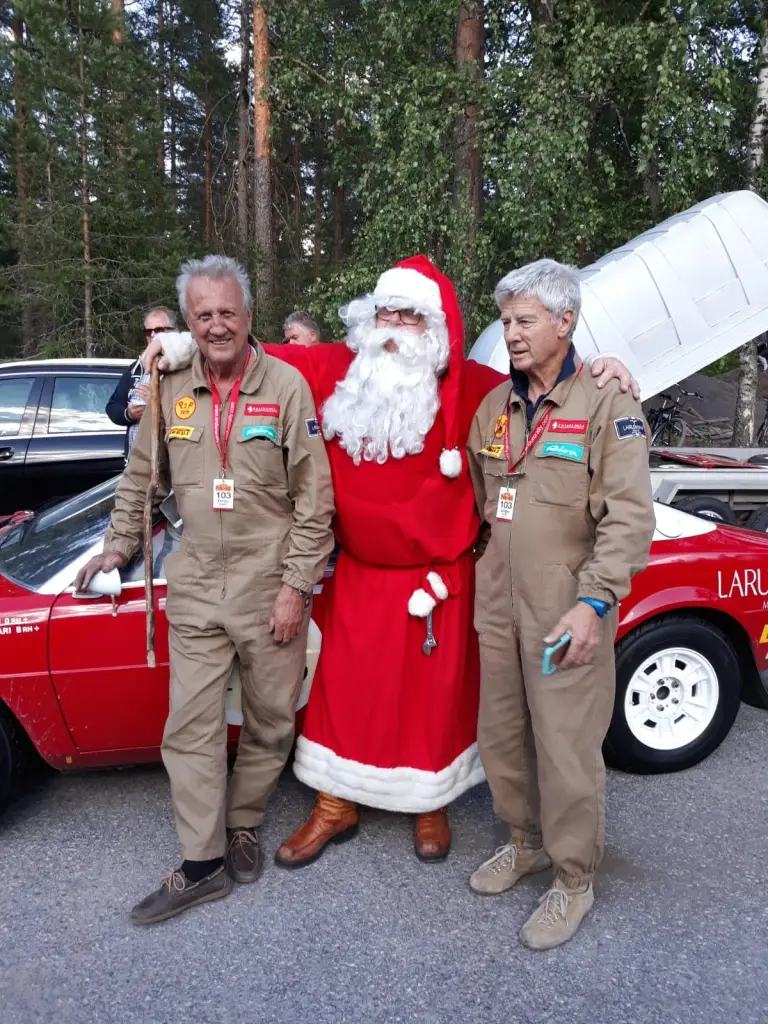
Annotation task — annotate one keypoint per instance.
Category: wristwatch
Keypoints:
(600, 607)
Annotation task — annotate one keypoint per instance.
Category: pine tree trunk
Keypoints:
(243, 132)
(118, 6)
(297, 197)
(22, 190)
(161, 90)
(172, 98)
(262, 169)
(84, 195)
(746, 398)
(208, 186)
(468, 167)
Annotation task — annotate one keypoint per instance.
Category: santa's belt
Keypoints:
(424, 600)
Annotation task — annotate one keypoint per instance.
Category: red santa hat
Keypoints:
(417, 284)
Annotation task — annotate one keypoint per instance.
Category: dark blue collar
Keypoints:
(520, 383)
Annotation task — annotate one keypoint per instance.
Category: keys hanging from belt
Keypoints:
(430, 643)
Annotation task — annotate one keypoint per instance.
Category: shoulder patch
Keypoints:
(629, 426)
(313, 427)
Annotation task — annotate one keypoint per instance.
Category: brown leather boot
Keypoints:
(432, 837)
(333, 820)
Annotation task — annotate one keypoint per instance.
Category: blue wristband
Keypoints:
(601, 607)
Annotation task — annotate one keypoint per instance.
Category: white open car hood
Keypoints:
(674, 299)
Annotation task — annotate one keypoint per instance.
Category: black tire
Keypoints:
(15, 757)
(758, 460)
(707, 508)
(758, 520)
(623, 749)
(672, 434)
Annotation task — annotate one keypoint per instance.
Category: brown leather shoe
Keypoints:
(432, 838)
(332, 821)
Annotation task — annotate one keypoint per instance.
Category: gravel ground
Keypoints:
(679, 933)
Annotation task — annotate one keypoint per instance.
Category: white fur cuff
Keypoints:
(439, 588)
(420, 603)
(450, 462)
(179, 348)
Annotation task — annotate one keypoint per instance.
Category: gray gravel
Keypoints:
(679, 933)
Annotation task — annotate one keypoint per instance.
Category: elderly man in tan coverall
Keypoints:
(252, 482)
(560, 470)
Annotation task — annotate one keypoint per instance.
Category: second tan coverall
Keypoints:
(582, 527)
(224, 579)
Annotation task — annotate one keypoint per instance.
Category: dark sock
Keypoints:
(196, 870)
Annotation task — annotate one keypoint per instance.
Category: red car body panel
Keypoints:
(74, 673)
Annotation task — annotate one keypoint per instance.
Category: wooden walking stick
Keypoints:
(154, 481)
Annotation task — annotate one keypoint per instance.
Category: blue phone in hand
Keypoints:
(547, 665)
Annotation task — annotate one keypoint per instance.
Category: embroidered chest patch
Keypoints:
(258, 409)
(560, 426)
(260, 431)
(185, 407)
(561, 450)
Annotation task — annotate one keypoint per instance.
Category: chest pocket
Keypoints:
(260, 456)
(560, 474)
(186, 454)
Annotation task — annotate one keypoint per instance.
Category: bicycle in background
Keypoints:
(668, 428)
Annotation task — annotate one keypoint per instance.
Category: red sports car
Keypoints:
(75, 687)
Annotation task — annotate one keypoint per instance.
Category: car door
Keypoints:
(74, 445)
(111, 700)
(19, 397)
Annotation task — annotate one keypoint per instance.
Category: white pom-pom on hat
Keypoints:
(450, 462)
(420, 603)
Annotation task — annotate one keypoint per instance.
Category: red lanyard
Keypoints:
(538, 430)
(231, 410)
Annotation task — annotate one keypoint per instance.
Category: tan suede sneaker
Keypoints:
(507, 866)
(557, 917)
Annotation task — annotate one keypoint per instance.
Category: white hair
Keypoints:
(214, 268)
(556, 286)
(387, 402)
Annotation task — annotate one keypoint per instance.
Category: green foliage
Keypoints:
(593, 126)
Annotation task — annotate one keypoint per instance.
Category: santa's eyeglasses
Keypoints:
(150, 332)
(408, 317)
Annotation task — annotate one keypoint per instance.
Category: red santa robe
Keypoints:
(387, 725)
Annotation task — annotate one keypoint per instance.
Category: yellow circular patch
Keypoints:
(500, 426)
(185, 407)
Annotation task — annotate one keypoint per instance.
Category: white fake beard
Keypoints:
(388, 401)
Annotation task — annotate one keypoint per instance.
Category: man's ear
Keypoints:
(565, 324)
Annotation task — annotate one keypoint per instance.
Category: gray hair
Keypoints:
(215, 268)
(556, 286)
(301, 319)
(172, 318)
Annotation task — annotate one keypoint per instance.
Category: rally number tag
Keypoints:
(506, 505)
(223, 494)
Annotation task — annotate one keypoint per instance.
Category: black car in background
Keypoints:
(55, 437)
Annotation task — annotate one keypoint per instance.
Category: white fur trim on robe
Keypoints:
(409, 790)
(179, 348)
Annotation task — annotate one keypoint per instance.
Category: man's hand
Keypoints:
(154, 350)
(135, 410)
(105, 562)
(287, 614)
(608, 368)
(583, 623)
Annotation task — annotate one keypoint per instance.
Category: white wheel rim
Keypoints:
(671, 698)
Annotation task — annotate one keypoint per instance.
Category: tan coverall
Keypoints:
(582, 525)
(224, 579)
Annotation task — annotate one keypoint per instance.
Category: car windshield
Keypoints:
(34, 550)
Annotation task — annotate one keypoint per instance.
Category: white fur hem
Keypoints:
(435, 581)
(450, 462)
(420, 603)
(410, 790)
(179, 348)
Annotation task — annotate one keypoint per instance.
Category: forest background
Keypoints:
(320, 143)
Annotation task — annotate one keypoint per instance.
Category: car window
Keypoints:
(78, 404)
(14, 395)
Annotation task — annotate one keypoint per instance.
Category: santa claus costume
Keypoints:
(392, 715)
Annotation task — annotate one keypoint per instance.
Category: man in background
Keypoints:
(130, 397)
(300, 329)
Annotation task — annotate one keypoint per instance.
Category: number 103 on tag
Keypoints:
(506, 505)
